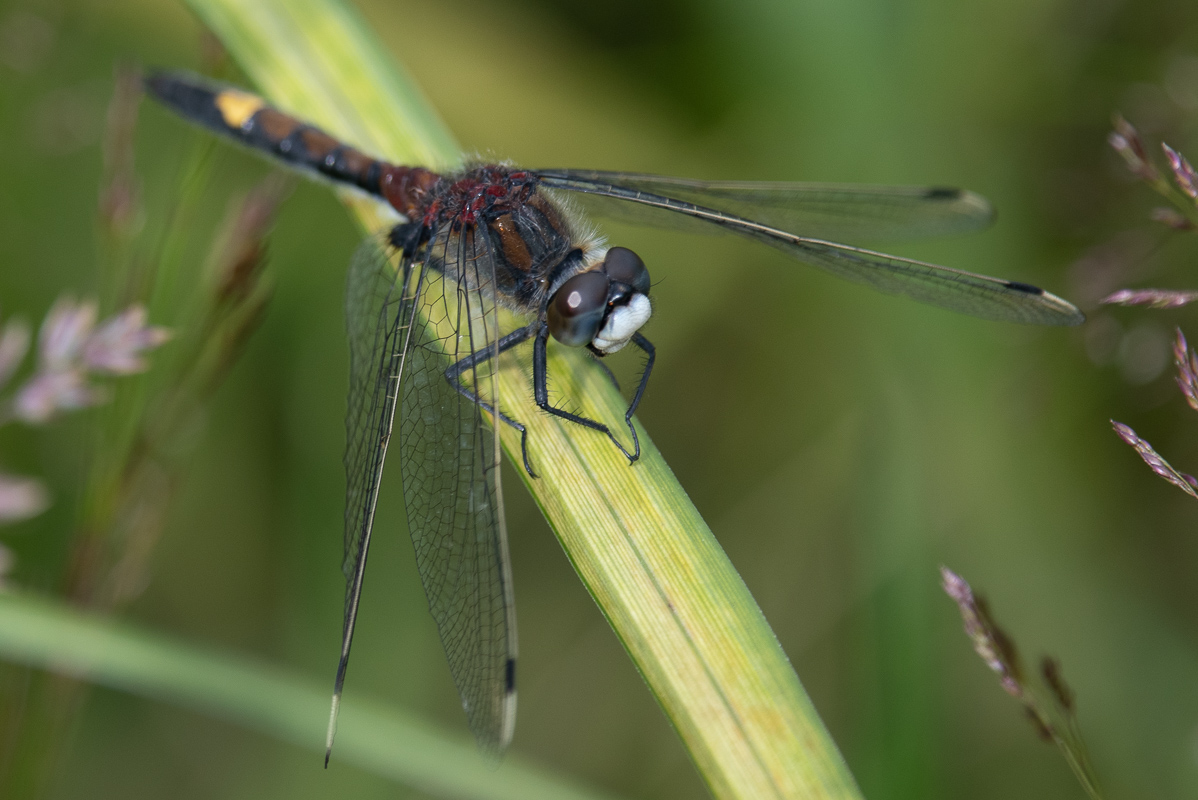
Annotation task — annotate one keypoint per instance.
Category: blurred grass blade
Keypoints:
(652, 565)
(52, 636)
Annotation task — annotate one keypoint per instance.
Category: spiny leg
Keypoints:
(650, 353)
(541, 393)
(454, 373)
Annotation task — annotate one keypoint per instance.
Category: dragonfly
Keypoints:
(423, 308)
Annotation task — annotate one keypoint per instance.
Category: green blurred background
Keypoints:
(842, 444)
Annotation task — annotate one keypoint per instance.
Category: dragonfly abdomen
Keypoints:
(246, 118)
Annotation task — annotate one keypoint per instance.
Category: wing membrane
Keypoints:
(957, 290)
(450, 465)
(400, 320)
(379, 303)
(844, 212)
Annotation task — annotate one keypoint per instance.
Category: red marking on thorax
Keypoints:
(420, 194)
(407, 188)
(431, 214)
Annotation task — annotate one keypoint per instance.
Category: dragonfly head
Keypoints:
(603, 307)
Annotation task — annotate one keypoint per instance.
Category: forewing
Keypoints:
(843, 212)
(449, 458)
(957, 290)
(380, 299)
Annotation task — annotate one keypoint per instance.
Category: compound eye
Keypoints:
(625, 266)
(576, 311)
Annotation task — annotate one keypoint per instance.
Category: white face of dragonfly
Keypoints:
(603, 307)
(622, 323)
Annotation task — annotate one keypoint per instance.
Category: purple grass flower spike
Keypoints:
(72, 349)
(1187, 369)
(1183, 173)
(1056, 723)
(116, 346)
(1152, 298)
(1127, 143)
(47, 393)
(64, 332)
(1172, 218)
(21, 498)
(988, 641)
(1187, 483)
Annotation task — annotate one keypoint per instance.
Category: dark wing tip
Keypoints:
(1061, 311)
(964, 204)
(1026, 288)
(984, 210)
(509, 677)
(943, 193)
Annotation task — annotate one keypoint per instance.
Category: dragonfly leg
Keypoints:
(540, 379)
(454, 374)
(650, 353)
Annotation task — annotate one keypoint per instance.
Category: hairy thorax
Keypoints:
(494, 215)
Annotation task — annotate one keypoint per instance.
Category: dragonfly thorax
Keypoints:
(603, 307)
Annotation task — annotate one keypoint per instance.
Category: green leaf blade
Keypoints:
(387, 742)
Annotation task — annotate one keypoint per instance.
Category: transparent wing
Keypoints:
(844, 212)
(957, 290)
(379, 303)
(449, 459)
(399, 321)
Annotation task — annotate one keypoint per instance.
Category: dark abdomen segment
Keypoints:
(247, 119)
